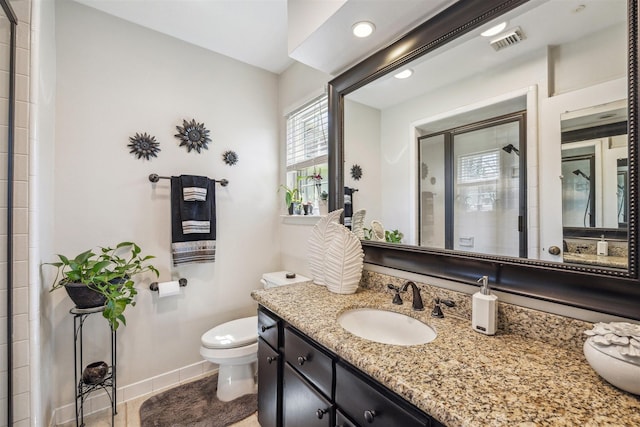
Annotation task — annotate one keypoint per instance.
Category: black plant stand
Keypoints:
(108, 383)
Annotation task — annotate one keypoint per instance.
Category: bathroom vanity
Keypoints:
(313, 372)
(304, 384)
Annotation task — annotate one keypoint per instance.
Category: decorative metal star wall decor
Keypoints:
(193, 135)
(356, 172)
(143, 145)
(230, 157)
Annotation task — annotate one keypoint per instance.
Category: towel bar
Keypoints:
(154, 286)
(154, 177)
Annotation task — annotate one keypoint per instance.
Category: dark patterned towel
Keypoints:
(193, 223)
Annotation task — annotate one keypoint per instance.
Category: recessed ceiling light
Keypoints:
(404, 74)
(363, 29)
(496, 29)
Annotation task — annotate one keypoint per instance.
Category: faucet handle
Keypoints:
(448, 302)
(396, 298)
(437, 310)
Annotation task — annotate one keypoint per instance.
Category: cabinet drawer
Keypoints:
(268, 328)
(315, 365)
(269, 395)
(363, 403)
(303, 405)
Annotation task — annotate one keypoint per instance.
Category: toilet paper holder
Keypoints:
(154, 286)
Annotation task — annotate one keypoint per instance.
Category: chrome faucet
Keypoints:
(417, 299)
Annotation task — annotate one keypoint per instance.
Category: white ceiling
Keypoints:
(255, 31)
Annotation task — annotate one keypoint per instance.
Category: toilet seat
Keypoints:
(233, 334)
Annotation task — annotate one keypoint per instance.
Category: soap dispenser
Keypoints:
(484, 316)
(602, 248)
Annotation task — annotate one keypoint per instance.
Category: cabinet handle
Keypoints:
(320, 413)
(301, 360)
(271, 359)
(369, 416)
(265, 328)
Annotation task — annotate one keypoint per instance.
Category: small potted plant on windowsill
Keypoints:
(291, 198)
(103, 279)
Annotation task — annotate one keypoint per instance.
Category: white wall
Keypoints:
(115, 79)
(41, 203)
(363, 134)
(297, 84)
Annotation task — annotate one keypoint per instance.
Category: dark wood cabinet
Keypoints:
(303, 404)
(307, 358)
(343, 421)
(269, 370)
(367, 403)
(303, 384)
(269, 396)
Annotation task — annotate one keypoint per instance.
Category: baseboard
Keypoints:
(99, 401)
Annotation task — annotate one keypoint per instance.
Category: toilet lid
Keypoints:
(236, 333)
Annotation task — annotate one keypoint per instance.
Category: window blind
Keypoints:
(478, 167)
(307, 134)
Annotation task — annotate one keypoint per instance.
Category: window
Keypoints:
(478, 167)
(307, 149)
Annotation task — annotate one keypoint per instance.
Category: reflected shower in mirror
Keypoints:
(594, 184)
(468, 147)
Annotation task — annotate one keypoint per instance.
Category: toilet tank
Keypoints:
(279, 278)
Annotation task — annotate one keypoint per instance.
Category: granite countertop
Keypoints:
(462, 378)
(600, 260)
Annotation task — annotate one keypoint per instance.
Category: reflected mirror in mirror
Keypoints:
(594, 185)
(470, 148)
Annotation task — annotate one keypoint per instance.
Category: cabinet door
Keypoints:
(367, 403)
(269, 390)
(303, 405)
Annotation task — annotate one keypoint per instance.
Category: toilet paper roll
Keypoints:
(167, 289)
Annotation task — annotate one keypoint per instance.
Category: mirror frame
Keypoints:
(594, 288)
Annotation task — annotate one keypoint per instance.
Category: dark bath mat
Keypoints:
(195, 405)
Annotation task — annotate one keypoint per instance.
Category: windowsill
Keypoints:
(301, 219)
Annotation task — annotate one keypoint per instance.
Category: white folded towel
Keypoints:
(192, 227)
(194, 194)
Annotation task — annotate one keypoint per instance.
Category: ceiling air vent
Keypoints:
(509, 38)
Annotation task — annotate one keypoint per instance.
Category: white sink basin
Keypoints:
(386, 327)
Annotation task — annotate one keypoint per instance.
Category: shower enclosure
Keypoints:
(472, 194)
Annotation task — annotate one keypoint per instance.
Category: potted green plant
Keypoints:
(291, 197)
(103, 279)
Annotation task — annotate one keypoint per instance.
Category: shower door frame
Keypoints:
(13, 20)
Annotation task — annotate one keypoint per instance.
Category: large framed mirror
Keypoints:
(511, 154)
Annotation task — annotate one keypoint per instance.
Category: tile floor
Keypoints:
(129, 416)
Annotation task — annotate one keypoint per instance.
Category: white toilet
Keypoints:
(234, 346)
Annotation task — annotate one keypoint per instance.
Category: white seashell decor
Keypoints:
(318, 243)
(613, 351)
(622, 337)
(344, 260)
